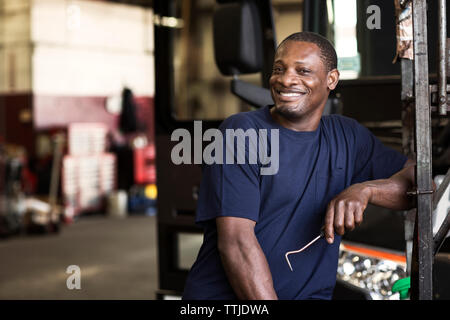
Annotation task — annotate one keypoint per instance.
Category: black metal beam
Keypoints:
(422, 269)
(269, 39)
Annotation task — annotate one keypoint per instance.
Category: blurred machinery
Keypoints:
(11, 192)
(20, 210)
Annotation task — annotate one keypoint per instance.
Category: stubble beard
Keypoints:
(291, 113)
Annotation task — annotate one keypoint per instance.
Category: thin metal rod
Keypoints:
(422, 269)
(442, 57)
(301, 249)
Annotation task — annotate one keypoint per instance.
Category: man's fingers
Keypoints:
(341, 216)
(349, 220)
(329, 220)
(339, 213)
(359, 215)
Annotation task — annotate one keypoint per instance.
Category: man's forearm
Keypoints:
(247, 270)
(345, 211)
(392, 193)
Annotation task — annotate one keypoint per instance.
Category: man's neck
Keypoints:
(308, 122)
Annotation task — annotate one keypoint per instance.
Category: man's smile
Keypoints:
(289, 95)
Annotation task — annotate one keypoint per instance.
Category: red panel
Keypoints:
(59, 111)
(145, 113)
(144, 165)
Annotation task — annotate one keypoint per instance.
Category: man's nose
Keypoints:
(289, 78)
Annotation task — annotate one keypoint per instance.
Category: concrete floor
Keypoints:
(117, 260)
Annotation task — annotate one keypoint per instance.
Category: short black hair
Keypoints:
(327, 51)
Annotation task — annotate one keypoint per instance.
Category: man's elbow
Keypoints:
(234, 235)
(228, 246)
(225, 247)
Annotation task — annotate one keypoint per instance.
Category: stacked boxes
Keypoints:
(87, 139)
(88, 171)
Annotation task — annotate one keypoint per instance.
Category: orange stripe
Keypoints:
(377, 253)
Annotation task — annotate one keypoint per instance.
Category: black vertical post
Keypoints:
(269, 39)
(315, 16)
(422, 268)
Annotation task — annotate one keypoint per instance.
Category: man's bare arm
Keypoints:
(346, 210)
(391, 193)
(243, 259)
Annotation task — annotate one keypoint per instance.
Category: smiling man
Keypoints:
(330, 169)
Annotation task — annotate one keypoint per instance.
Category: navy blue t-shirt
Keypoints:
(289, 206)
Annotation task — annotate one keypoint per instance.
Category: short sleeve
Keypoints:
(230, 189)
(373, 160)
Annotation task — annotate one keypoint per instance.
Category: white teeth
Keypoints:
(284, 94)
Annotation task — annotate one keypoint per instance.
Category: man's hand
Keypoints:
(346, 210)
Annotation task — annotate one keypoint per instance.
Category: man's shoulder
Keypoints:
(241, 120)
(339, 118)
(338, 122)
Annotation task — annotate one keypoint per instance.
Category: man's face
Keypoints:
(300, 82)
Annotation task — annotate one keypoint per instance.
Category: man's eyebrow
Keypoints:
(296, 62)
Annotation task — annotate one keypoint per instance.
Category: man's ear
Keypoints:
(332, 79)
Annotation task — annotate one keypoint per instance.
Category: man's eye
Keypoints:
(277, 70)
(304, 71)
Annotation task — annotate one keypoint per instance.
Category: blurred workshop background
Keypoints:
(77, 140)
(91, 207)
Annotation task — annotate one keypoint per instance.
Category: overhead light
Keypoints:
(169, 22)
